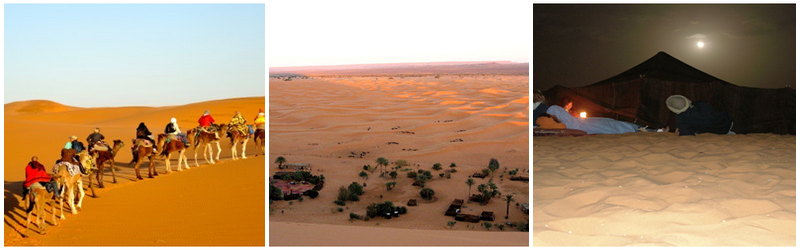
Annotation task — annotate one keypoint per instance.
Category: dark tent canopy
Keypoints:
(639, 94)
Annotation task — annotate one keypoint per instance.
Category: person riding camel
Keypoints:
(205, 122)
(238, 123)
(97, 138)
(73, 143)
(174, 131)
(36, 177)
(143, 133)
(260, 121)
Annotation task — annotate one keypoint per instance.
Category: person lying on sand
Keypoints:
(698, 117)
(594, 125)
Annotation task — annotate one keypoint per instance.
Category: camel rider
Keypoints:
(143, 133)
(73, 143)
(260, 121)
(96, 137)
(238, 123)
(36, 177)
(205, 122)
(173, 130)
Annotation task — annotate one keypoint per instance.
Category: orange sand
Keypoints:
(213, 205)
(658, 189)
(321, 121)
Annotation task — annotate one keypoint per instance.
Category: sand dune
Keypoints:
(657, 189)
(155, 219)
(321, 121)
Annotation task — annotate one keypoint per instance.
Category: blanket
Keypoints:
(73, 169)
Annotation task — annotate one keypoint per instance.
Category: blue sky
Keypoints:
(91, 55)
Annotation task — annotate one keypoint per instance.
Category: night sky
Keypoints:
(747, 45)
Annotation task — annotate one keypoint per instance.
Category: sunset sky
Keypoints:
(90, 55)
(311, 33)
(747, 45)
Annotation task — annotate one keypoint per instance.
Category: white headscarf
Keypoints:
(175, 125)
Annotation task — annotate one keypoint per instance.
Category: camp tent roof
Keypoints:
(638, 95)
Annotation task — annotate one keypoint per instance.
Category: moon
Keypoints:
(700, 44)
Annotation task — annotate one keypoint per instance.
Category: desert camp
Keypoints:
(638, 95)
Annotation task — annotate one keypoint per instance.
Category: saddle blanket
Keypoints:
(100, 146)
(73, 169)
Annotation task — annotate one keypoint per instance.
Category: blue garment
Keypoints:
(592, 125)
(540, 109)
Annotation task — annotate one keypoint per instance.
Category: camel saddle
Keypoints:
(100, 146)
(73, 169)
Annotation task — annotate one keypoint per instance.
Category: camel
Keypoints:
(205, 139)
(258, 140)
(39, 197)
(102, 157)
(167, 149)
(236, 138)
(145, 149)
(68, 184)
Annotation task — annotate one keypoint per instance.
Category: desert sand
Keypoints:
(658, 189)
(465, 120)
(210, 205)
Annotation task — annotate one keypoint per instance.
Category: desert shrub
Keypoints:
(487, 225)
(419, 171)
(402, 163)
(340, 209)
(367, 167)
(412, 175)
(437, 166)
(393, 174)
(522, 226)
(403, 210)
(441, 175)
(485, 171)
(275, 193)
(312, 193)
(380, 209)
(354, 216)
(427, 193)
(300, 199)
(500, 226)
(451, 224)
(339, 202)
(344, 194)
(356, 188)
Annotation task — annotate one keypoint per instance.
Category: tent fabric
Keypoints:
(639, 96)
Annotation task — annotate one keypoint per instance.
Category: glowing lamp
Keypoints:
(583, 114)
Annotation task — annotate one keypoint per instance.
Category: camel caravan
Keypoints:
(65, 184)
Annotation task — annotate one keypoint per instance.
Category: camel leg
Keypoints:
(71, 201)
(244, 146)
(219, 150)
(195, 157)
(113, 173)
(100, 173)
(233, 152)
(185, 159)
(151, 169)
(136, 169)
(79, 186)
(169, 170)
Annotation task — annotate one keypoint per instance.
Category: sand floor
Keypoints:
(658, 189)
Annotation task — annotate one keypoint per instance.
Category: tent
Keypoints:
(638, 95)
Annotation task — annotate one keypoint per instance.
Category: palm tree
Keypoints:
(280, 160)
(470, 182)
(382, 162)
(509, 198)
(493, 165)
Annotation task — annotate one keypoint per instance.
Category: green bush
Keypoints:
(412, 175)
(275, 193)
(340, 209)
(339, 202)
(355, 216)
(427, 193)
(344, 194)
(380, 209)
(393, 174)
(403, 210)
(437, 166)
(312, 193)
(356, 188)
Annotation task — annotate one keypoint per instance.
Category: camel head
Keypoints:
(118, 144)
